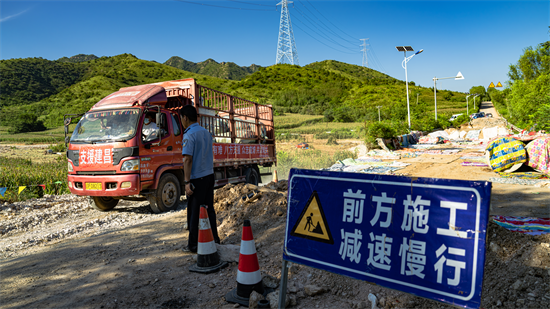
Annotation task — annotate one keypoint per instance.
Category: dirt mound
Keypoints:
(488, 122)
(265, 207)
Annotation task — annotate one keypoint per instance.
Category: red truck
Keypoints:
(111, 156)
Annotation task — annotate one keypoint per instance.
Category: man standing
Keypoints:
(198, 167)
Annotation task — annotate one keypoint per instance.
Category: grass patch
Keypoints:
(289, 120)
(308, 159)
(18, 172)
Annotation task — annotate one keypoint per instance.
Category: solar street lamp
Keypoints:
(405, 49)
(467, 105)
(457, 77)
(475, 96)
(379, 113)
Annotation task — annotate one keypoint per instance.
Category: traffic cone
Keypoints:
(249, 277)
(208, 260)
(275, 179)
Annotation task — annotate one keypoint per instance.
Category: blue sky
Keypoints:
(478, 38)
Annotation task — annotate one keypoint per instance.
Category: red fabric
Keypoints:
(248, 263)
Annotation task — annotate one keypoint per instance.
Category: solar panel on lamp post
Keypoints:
(405, 49)
(457, 77)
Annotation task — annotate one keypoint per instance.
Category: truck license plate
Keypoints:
(93, 186)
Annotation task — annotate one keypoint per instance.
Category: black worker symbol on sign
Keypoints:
(309, 224)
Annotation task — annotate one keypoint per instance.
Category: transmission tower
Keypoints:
(364, 50)
(286, 47)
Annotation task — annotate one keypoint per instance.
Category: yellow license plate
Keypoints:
(93, 186)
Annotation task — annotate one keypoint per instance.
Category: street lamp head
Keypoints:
(418, 52)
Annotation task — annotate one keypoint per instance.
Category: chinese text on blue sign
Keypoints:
(423, 236)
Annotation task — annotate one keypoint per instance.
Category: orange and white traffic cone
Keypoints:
(249, 277)
(208, 260)
(275, 179)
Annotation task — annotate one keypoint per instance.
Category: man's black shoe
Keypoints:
(189, 249)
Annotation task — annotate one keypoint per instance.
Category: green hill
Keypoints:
(225, 70)
(29, 80)
(339, 91)
(96, 79)
(78, 58)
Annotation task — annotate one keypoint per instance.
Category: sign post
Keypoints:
(422, 236)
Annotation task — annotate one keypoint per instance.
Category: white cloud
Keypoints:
(3, 19)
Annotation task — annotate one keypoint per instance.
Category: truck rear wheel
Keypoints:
(102, 203)
(167, 195)
(252, 176)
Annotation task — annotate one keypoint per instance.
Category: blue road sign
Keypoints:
(422, 236)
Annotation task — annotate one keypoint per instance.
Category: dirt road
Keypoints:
(57, 252)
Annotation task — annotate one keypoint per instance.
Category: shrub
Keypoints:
(26, 122)
(380, 129)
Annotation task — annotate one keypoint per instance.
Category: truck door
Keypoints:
(155, 153)
(177, 130)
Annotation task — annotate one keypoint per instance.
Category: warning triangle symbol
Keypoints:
(312, 223)
(492, 85)
(499, 84)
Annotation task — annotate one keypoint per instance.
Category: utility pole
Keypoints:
(379, 113)
(286, 47)
(364, 50)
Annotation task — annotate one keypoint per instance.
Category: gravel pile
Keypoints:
(57, 217)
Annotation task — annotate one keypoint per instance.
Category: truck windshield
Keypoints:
(106, 126)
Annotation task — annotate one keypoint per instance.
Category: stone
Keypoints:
(253, 299)
(270, 281)
(313, 290)
(517, 285)
(520, 301)
(293, 301)
(273, 299)
(291, 287)
(499, 303)
(494, 247)
(228, 253)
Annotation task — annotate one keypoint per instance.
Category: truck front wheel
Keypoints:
(102, 203)
(167, 195)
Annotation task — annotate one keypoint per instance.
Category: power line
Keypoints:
(322, 35)
(325, 26)
(321, 42)
(330, 21)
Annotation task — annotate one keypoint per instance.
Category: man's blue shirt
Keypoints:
(197, 142)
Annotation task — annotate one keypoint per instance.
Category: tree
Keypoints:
(26, 122)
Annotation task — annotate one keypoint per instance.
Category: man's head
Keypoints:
(188, 115)
(149, 118)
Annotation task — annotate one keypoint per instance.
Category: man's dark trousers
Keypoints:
(203, 194)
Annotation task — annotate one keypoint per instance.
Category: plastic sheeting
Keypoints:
(538, 151)
(505, 152)
(526, 225)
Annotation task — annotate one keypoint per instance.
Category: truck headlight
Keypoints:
(130, 165)
(70, 166)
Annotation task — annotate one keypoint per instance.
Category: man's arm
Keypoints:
(187, 165)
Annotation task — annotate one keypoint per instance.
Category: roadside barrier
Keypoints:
(208, 260)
